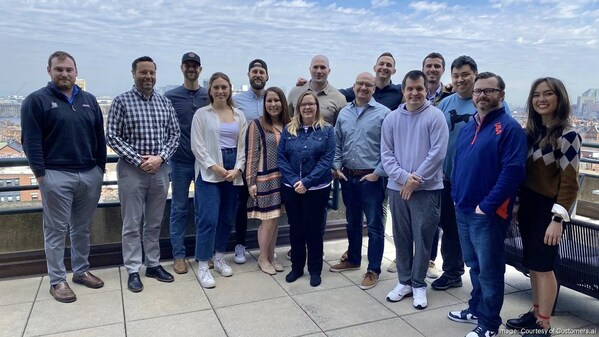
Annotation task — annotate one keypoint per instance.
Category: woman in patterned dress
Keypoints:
(263, 176)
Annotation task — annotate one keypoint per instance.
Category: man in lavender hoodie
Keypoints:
(413, 146)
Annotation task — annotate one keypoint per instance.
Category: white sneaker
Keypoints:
(400, 291)
(420, 298)
(239, 257)
(392, 267)
(432, 272)
(206, 280)
(223, 267)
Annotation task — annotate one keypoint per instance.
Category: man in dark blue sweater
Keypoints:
(186, 99)
(63, 139)
(489, 166)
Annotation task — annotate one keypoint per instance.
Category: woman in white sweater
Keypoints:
(218, 143)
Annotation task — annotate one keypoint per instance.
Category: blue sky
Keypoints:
(520, 40)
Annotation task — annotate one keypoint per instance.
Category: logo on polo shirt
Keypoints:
(498, 128)
(54, 105)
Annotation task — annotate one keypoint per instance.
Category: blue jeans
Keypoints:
(482, 239)
(215, 205)
(364, 197)
(182, 174)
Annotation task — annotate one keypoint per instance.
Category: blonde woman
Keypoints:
(306, 152)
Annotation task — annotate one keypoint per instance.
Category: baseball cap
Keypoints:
(191, 56)
(258, 63)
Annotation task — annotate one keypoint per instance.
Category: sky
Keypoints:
(519, 40)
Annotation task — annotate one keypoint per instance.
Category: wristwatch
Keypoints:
(557, 218)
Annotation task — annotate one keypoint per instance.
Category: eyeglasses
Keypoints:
(487, 91)
(366, 84)
(303, 105)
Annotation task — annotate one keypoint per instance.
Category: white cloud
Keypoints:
(381, 3)
(105, 36)
(426, 6)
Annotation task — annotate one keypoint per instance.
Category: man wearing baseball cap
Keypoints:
(250, 103)
(186, 99)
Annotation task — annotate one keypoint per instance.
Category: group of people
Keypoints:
(448, 157)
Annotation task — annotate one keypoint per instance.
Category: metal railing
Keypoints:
(332, 204)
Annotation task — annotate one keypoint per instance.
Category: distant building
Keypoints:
(14, 177)
(81, 83)
(10, 109)
(588, 103)
(11, 149)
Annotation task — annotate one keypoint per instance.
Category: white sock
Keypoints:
(202, 265)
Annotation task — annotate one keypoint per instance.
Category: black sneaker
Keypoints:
(444, 283)
(525, 321)
(464, 316)
(479, 331)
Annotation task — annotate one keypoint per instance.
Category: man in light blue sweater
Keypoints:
(413, 145)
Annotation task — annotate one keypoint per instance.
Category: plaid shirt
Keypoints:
(138, 126)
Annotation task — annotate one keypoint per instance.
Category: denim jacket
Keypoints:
(307, 156)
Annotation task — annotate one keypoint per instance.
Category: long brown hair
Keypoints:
(555, 129)
(266, 119)
(297, 123)
(218, 75)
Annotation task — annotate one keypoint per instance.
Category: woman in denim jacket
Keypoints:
(305, 158)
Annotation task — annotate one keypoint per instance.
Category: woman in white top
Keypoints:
(218, 143)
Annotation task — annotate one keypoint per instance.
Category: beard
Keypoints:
(191, 76)
(64, 84)
(258, 86)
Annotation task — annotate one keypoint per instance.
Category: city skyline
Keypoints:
(519, 40)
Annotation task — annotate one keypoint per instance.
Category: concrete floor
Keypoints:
(251, 303)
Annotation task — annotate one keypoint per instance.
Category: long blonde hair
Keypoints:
(297, 123)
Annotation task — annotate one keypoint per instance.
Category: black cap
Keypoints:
(258, 63)
(191, 56)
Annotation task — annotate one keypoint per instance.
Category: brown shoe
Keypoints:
(62, 292)
(180, 266)
(370, 280)
(89, 280)
(343, 266)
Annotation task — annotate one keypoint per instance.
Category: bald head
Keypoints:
(319, 70)
(364, 88)
(320, 59)
(365, 76)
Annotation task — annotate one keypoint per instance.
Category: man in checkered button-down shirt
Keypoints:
(143, 130)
